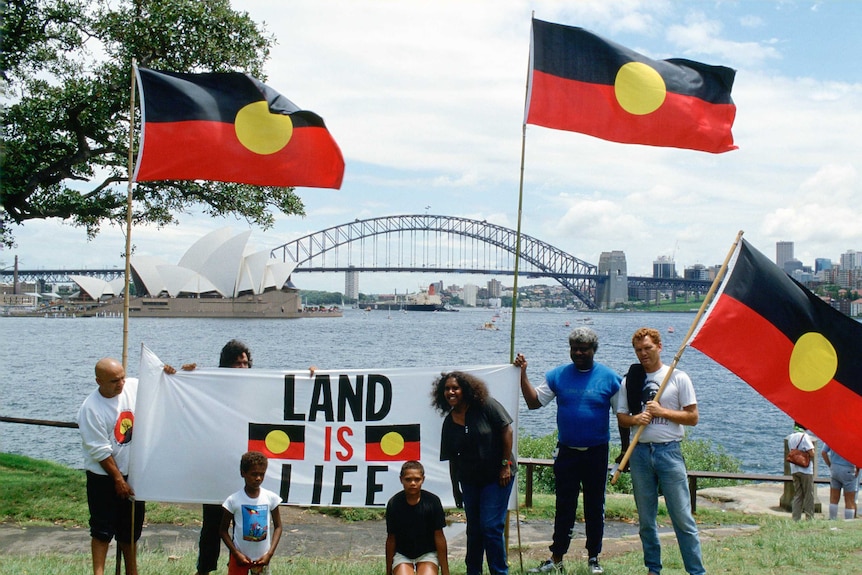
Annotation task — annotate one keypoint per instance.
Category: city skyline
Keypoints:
(426, 102)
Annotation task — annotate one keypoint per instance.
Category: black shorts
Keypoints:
(111, 516)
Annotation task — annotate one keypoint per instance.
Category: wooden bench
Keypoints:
(530, 464)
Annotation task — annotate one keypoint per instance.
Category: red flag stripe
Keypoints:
(296, 450)
(411, 450)
(759, 353)
(593, 109)
(210, 150)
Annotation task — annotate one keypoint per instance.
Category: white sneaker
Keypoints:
(548, 566)
(595, 568)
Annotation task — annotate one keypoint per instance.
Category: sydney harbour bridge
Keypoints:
(428, 243)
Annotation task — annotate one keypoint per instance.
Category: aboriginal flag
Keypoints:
(790, 346)
(392, 442)
(230, 127)
(277, 441)
(581, 82)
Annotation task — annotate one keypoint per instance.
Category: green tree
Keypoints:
(66, 67)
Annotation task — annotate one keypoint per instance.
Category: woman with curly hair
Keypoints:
(477, 441)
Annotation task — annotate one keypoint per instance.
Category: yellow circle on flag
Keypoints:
(639, 88)
(813, 362)
(277, 441)
(392, 443)
(261, 132)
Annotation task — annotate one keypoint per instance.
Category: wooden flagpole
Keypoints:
(706, 301)
(128, 271)
(517, 267)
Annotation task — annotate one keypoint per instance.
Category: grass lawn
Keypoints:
(36, 492)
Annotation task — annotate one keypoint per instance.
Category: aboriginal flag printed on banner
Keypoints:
(789, 345)
(277, 441)
(392, 442)
(583, 83)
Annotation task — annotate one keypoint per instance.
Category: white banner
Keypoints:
(337, 439)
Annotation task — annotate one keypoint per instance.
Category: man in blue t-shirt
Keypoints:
(584, 391)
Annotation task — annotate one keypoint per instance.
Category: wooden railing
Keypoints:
(531, 464)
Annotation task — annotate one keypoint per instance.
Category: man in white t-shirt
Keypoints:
(105, 420)
(656, 462)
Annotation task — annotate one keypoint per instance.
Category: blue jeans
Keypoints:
(485, 508)
(660, 465)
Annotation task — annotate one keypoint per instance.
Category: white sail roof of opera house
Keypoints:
(219, 262)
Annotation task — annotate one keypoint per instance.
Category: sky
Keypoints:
(426, 100)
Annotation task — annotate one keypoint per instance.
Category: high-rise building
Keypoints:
(613, 289)
(470, 291)
(495, 288)
(664, 267)
(850, 260)
(783, 253)
(351, 284)
(822, 264)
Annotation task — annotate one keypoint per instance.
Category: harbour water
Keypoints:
(48, 364)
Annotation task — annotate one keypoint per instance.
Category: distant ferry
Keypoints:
(422, 301)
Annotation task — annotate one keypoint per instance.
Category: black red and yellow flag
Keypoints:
(392, 442)
(789, 345)
(583, 83)
(277, 441)
(230, 127)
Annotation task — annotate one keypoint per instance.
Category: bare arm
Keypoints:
(688, 415)
(527, 389)
(506, 470)
(390, 552)
(627, 420)
(276, 537)
(121, 486)
(442, 551)
(224, 530)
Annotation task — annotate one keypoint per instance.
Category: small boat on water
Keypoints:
(489, 326)
(670, 329)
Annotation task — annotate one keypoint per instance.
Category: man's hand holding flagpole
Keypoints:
(706, 301)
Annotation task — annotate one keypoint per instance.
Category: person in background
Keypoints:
(844, 475)
(234, 354)
(415, 519)
(585, 391)
(656, 464)
(477, 440)
(256, 520)
(105, 420)
(803, 477)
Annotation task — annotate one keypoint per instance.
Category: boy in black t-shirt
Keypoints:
(415, 542)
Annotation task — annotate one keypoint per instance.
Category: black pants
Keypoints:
(574, 468)
(210, 541)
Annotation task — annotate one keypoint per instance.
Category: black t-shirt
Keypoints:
(477, 447)
(414, 525)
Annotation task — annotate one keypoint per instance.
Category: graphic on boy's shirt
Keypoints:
(123, 427)
(255, 519)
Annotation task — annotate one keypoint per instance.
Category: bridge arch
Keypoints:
(538, 258)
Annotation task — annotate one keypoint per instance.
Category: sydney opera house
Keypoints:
(217, 277)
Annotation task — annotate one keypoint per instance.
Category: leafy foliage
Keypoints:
(67, 66)
(699, 454)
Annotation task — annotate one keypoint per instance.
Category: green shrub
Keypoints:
(699, 454)
(537, 448)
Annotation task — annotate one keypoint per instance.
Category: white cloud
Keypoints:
(426, 101)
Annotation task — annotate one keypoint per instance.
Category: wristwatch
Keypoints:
(506, 463)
